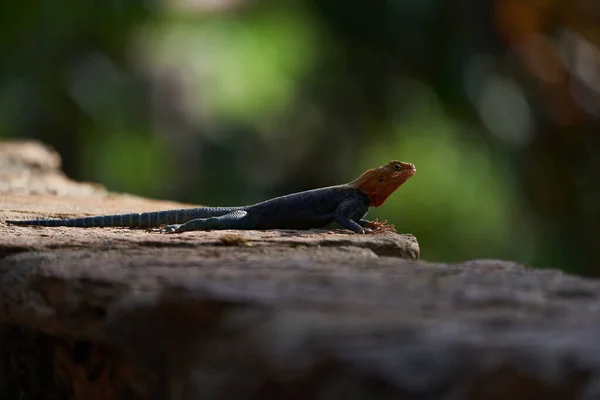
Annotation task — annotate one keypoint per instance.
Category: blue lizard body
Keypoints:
(345, 204)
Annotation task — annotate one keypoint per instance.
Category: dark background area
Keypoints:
(234, 101)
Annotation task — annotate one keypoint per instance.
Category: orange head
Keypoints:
(382, 181)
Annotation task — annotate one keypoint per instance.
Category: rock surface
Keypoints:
(127, 314)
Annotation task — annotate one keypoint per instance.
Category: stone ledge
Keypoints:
(116, 313)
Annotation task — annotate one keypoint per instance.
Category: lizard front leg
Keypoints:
(344, 212)
(233, 220)
(376, 226)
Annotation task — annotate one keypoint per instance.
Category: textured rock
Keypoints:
(113, 313)
(32, 168)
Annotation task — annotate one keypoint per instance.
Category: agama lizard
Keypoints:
(345, 204)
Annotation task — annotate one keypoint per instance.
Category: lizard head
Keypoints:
(380, 182)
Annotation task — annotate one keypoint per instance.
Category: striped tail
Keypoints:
(134, 220)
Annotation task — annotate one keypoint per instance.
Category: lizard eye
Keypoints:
(397, 167)
(381, 178)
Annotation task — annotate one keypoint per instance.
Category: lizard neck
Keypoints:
(377, 191)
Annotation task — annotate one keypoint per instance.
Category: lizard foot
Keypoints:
(154, 229)
(170, 228)
(379, 227)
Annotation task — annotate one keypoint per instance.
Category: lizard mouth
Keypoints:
(405, 174)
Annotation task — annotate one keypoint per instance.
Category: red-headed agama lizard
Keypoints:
(345, 204)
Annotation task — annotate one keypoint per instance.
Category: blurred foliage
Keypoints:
(233, 101)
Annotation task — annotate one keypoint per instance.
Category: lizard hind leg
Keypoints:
(232, 220)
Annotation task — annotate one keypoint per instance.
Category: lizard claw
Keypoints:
(378, 227)
(158, 229)
(170, 228)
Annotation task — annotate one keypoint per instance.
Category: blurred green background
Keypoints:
(228, 102)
